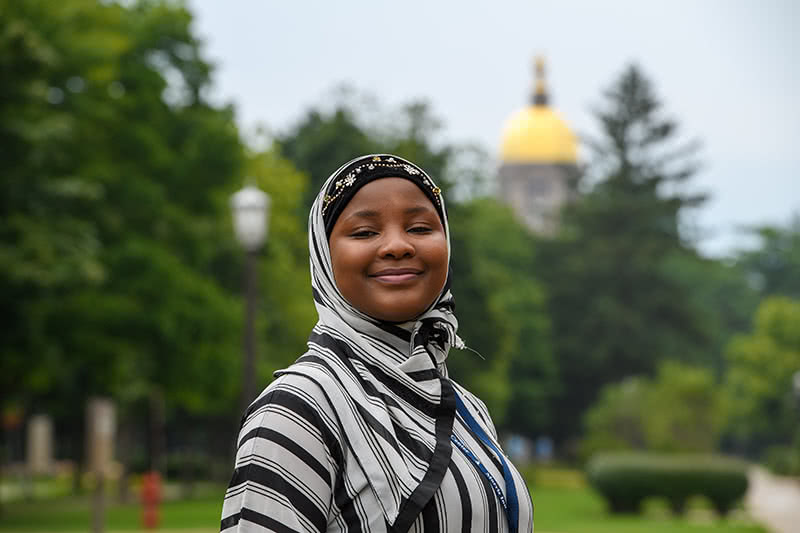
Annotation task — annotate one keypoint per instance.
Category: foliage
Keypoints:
(286, 308)
(774, 267)
(324, 140)
(784, 460)
(763, 410)
(500, 308)
(686, 410)
(719, 292)
(616, 309)
(118, 268)
(626, 479)
(681, 410)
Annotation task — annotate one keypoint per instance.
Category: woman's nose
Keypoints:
(396, 244)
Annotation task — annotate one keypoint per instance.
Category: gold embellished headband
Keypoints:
(367, 169)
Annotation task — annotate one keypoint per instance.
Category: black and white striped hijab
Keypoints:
(397, 405)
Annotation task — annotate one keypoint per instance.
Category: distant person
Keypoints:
(365, 431)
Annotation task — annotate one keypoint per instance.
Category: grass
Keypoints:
(580, 510)
(199, 515)
(563, 505)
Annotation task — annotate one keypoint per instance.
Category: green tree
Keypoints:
(719, 292)
(616, 309)
(763, 410)
(681, 410)
(286, 312)
(774, 267)
(501, 311)
(324, 140)
(118, 269)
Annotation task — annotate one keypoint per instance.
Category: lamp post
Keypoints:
(250, 207)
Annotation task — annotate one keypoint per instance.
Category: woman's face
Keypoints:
(389, 250)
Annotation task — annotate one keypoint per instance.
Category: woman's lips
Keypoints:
(396, 275)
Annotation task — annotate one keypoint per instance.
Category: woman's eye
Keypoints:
(420, 229)
(363, 234)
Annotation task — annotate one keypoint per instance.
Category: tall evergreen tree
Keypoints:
(616, 309)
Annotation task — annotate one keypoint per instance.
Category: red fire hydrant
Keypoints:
(151, 498)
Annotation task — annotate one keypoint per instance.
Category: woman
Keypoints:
(365, 431)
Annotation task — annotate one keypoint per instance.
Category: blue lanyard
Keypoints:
(510, 504)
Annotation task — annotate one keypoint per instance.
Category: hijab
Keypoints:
(386, 381)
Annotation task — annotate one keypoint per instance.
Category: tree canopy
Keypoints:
(616, 309)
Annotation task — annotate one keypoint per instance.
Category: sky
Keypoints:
(726, 70)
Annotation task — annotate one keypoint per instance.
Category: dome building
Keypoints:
(538, 161)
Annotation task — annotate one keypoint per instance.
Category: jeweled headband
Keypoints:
(363, 170)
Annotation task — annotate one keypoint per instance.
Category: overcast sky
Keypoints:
(727, 70)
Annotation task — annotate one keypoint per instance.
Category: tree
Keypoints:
(719, 292)
(616, 309)
(774, 267)
(680, 410)
(501, 311)
(324, 140)
(118, 268)
(763, 411)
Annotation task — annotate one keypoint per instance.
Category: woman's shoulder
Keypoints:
(306, 372)
(298, 387)
(306, 382)
(295, 398)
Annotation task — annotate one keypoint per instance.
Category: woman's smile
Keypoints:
(398, 276)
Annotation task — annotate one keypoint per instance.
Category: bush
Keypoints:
(680, 411)
(783, 460)
(626, 479)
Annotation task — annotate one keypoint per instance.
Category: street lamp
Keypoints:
(250, 207)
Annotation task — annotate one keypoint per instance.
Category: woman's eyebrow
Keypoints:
(371, 213)
(365, 213)
(416, 209)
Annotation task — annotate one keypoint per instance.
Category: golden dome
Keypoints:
(537, 134)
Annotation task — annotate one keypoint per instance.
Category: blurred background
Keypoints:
(625, 216)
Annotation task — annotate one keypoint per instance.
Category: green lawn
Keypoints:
(579, 510)
(73, 514)
(563, 508)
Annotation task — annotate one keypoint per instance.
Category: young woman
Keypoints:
(366, 432)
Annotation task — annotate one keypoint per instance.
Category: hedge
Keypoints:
(625, 479)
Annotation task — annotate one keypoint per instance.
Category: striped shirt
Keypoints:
(297, 470)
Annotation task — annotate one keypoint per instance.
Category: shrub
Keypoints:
(680, 411)
(784, 460)
(626, 479)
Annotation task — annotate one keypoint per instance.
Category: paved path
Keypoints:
(774, 501)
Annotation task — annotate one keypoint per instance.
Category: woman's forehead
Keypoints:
(389, 195)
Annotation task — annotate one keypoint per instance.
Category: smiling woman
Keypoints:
(366, 431)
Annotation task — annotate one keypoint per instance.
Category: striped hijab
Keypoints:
(396, 404)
